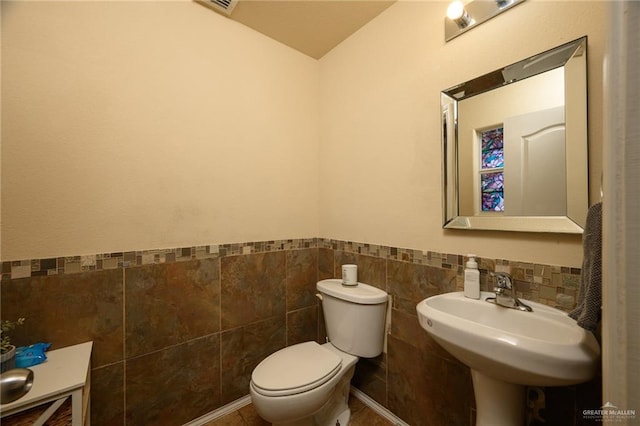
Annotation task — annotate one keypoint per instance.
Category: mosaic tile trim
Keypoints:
(552, 285)
(431, 258)
(549, 284)
(97, 262)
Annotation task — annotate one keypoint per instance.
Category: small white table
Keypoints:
(66, 373)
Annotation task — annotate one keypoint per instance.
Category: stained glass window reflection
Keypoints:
(492, 139)
(492, 191)
(492, 149)
(492, 165)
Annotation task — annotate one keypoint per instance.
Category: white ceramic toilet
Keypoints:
(308, 383)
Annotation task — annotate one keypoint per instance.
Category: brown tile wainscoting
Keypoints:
(177, 332)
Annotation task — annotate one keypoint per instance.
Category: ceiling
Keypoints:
(313, 27)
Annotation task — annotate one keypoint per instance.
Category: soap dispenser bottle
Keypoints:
(472, 278)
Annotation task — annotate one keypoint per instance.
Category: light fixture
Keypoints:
(458, 14)
(503, 3)
(462, 17)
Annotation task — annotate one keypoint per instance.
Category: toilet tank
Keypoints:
(354, 317)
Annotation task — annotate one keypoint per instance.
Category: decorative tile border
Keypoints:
(431, 258)
(97, 262)
(549, 284)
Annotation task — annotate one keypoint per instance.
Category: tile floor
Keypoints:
(361, 415)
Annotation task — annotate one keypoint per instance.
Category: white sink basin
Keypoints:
(507, 349)
(542, 348)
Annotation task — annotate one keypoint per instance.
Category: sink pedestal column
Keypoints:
(497, 403)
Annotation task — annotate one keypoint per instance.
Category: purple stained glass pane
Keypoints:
(492, 202)
(492, 159)
(492, 191)
(492, 139)
(492, 182)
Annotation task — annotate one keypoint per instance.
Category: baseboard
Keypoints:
(379, 409)
(221, 412)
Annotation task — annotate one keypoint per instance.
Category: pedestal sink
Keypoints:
(507, 350)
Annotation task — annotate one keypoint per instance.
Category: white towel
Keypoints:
(589, 308)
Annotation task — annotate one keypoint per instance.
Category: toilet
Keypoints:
(308, 383)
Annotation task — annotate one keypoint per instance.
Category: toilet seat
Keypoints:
(295, 369)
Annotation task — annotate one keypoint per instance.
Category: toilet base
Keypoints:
(343, 418)
(335, 411)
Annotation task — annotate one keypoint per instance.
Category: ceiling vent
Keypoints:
(223, 6)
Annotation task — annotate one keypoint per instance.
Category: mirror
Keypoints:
(515, 146)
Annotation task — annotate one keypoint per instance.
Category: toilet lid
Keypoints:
(295, 369)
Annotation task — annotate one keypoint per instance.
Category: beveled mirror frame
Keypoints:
(572, 58)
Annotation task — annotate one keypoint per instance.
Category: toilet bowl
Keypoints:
(308, 384)
(283, 394)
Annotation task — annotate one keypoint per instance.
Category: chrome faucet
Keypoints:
(506, 293)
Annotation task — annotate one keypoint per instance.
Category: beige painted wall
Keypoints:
(136, 125)
(380, 153)
(139, 125)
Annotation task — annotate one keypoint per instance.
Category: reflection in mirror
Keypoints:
(515, 146)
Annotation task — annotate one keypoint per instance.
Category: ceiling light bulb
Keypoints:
(455, 10)
(458, 14)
